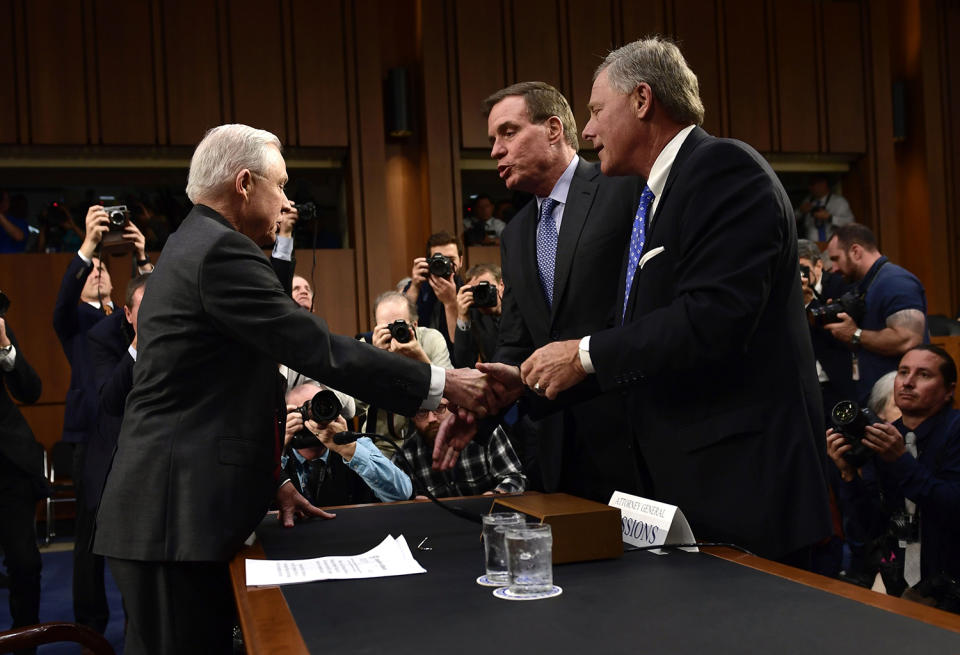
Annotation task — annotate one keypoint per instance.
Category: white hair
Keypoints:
(881, 393)
(225, 151)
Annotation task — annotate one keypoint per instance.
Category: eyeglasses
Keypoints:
(440, 411)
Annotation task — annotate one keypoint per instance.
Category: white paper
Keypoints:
(391, 557)
(646, 522)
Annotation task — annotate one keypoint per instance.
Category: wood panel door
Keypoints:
(481, 64)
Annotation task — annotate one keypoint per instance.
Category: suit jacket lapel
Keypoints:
(583, 190)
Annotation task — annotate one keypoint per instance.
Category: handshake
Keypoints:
(490, 387)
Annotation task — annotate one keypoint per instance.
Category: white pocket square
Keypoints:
(650, 255)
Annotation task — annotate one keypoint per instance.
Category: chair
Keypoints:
(32, 636)
(60, 477)
(942, 326)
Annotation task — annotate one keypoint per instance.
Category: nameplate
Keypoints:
(645, 522)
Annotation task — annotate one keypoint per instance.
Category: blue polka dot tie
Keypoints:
(637, 238)
(547, 247)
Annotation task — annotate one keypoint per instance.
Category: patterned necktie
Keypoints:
(547, 247)
(637, 238)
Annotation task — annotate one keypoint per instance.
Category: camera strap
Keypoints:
(873, 277)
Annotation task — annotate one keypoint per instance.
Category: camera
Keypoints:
(904, 526)
(119, 217)
(322, 408)
(804, 271)
(851, 421)
(306, 211)
(440, 265)
(399, 330)
(852, 303)
(484, 294)
(4, 304)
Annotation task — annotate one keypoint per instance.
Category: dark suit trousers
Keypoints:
(90, 606)
(19, 542)
(176, 608)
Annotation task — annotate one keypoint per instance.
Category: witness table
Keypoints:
(721, 602)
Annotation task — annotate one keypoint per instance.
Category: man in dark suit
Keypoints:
(22, 481)
(561, 259)
(197, 460)
(83, 301)
(713, 356)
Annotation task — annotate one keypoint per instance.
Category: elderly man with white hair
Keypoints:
(197, 460)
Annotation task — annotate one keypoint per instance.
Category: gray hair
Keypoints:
(225, 151)
(658, 62)
(881, 393)
(807, 249)
(388, 296)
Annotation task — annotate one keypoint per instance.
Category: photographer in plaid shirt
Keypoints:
(488, 468)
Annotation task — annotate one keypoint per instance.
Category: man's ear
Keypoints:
(641, 100)
(554, 129)
(242, 183)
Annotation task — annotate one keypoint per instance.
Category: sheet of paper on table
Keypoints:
(391, 557)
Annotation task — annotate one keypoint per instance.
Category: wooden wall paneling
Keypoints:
(8, 74)
(642, 19)
(334, 285)
(695, 27)
(592, 37)
(256, 64)
(126, 90)
(747, 74)
(796, 74)
(536, 42)
(91, 73)
(192, 84)
(21, 90)
(481, 64)
(319, 73)
(844, 77)
(159, 74)
(57, 80)
(441, 159)
(46, 422)
(951, 98)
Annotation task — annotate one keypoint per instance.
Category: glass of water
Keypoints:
(493, 544)
(529, 558)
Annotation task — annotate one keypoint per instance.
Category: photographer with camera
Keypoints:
(436, 301)
(902, 479)
(361, 473)
(822, 211)
(479, 306)
(885, 314)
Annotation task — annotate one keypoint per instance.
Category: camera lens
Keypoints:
(845, 412)
(324, 406)
(117, 218)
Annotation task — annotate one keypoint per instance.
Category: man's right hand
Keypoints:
(455, 433)
(97, 224)
(292, 506)
(464, 302)
(470, 389)
(420, 272)
(807, 290)
(836, 447)
(505, 382)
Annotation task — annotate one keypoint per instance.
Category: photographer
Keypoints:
(360, 473)
(893, 310)
(822, 211)
(479, 305)
(910, 487)
(436, 301)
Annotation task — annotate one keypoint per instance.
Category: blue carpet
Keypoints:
(56, 602)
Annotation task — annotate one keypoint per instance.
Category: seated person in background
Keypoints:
(478, 322)
(396, 330)
(822, 211)
(909, 488)
(436, 301)
(483, 228)
(355, 473)
(882, 402)
(487, 468)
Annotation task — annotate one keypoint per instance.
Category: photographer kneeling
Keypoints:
(909, 484)
(478, 315)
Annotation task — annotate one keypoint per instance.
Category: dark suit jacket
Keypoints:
(480, 341)
(71, 320)
(714, 358)
(17, 443)
(595, 229)
(113, 378)
(835, 358)
(198, 454)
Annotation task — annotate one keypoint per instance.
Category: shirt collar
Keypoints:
(664, 162)
(926, 428)
(562, 188)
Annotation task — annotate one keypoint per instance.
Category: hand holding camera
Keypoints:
(399, 337)
(441, 281)
(97, 224)
(288, 219)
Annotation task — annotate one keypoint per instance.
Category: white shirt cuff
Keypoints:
(9, 360)
(585, 360)
(86, 259)
(463, 326)
(438, 379)
(283, 248)
(133, 352)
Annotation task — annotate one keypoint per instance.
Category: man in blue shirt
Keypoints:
(917, 460)
(894, 320)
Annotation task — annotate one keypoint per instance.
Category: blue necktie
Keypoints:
(637, 238)
(547, 247)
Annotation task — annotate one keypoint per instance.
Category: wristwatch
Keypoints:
(143, 262)
(855, 339)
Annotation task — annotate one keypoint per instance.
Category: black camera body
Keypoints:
(852, 302)
(440, 265)
(484, 294)
(322, 408)
(399, 331)
(851, 421)
(4, 304)
(306, 211)
(119, 217)
(804, 271)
